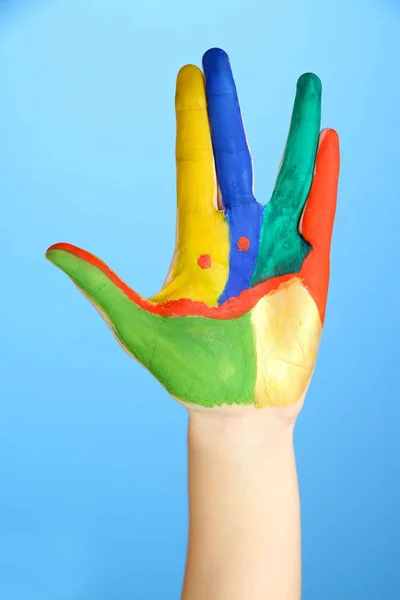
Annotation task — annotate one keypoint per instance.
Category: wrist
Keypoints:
(242, 426)
(244, 505)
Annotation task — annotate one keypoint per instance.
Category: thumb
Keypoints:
(125, 311)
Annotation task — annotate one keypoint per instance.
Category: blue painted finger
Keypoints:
(231, 152)
(234, 171)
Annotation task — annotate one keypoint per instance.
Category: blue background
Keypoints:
(92, 450)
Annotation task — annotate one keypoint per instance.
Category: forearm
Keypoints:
(244, 535)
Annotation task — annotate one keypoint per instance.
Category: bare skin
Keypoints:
(244, 539)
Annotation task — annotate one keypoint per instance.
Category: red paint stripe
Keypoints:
(230, 309)
(319, 216)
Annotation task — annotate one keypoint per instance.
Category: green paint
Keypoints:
(282, 250)
(199, 360)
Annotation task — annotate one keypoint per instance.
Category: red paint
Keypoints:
(232, 308)
(318, 218)
(204, 261)
(316, 228)
(243, 243)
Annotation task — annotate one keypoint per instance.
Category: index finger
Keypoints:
(196, 184)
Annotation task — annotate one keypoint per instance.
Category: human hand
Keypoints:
(240, 316)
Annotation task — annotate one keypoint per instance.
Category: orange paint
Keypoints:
(232, 308)
(243, 243)
(318, 219)
(316, 228)
(204, 261)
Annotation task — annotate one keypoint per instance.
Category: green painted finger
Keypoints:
(197, 359)
(281, 249)
(301, 146)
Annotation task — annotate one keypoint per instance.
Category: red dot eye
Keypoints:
(243, 243)
(204, 261)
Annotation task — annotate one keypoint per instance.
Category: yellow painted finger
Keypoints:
(196, 181)
(199, 269)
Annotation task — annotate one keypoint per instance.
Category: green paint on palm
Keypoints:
(198, 360)
(282, 250)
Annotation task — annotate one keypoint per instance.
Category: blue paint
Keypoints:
(81, 478)
(234, 169)
(244, 220)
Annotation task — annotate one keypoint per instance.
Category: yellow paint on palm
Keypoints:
(200, 265)
(287, 331)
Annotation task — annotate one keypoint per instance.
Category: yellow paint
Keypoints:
(201, 227)
(287, 331)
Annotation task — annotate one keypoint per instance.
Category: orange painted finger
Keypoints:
(319, 213)
(318, 218)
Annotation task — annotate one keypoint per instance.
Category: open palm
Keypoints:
(240, 316)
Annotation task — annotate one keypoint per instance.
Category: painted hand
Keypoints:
(240, 316)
